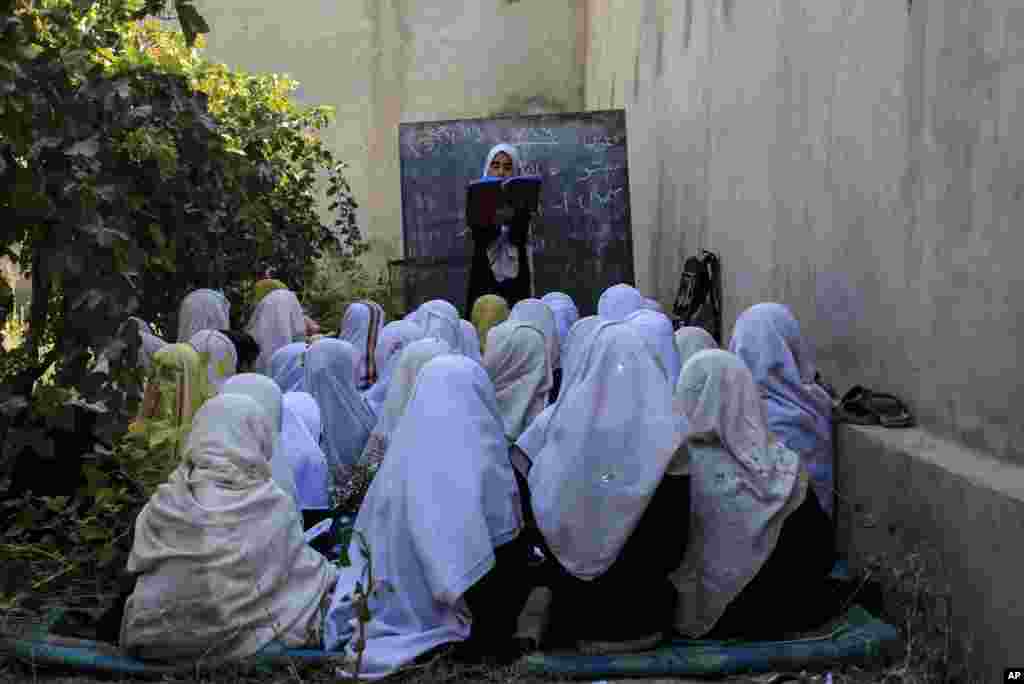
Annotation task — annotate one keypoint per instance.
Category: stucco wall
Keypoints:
(381, 62)
(858, 162)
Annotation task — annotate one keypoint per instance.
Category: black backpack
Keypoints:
(699, 300)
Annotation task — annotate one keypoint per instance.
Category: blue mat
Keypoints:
(858, 637)
(43, 649)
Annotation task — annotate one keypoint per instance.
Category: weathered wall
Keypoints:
(380, 62)
(863, 164)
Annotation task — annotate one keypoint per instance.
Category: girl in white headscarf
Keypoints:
(286, 367)
(690, 340)
(566, 314)
(443, 532)
(300, 437)
(361, 328)
(767, 337)
(415, 355)
(618, 301)
(575, 343)
(277, 321)
(757, 539)
(656, 330)
(516, 360)
(502, 257)
(347, 420)
(440, 320)
(222, 566)
(539, 315)
(470, 341)
(266, 392)
(612, 520)
(203, 310)
(221, 356)
(394, 338)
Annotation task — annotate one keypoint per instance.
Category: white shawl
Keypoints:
(221, 356)
(203, 310)
(516, 360)
(566, 314)
(300, 437)
(395, 337)
(440, 319)
(656, 330)
(223, 569)
(286, 367)
(361, 327)
(743, 487)
(404, 379)
(618, 301)
(268, 395)
(278, 320)
(601, 452)
(432, 523)
(539, 315)
(470, 341)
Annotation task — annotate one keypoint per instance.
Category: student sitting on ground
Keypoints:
(488, 311)
(394, 338)
(203, 310)
(758, 563)
(612, 521)
(516, 361)
(222, 568)
(276, 321)
(361, 327)
(442, 520)
(768, 339)
(286, 367)
(566, 314)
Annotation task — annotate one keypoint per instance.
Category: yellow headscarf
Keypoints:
(488, 311)
(264, 287)
(177, 387)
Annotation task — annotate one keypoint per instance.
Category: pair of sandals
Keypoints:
(862, 406)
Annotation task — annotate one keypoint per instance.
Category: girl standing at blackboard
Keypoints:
(501, 254)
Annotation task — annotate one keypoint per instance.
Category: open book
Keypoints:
(490, 200)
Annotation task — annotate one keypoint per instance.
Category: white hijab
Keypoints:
(432, 523)
(743, 487)
(601, 452)
(470, 341)
(221, 356)
(539, 315)
(799, 412)
(223, 569)
(286, 367)
(652, 305)
(516, 361)
(618, 301)
(440, 319)
(690, 340)
(347, 420)
(576, 343)
(277, 321)
(404, 379)
(566, 314)
(361, 327)
(502, 254)
(203, 310)
(300, 437)
(656, 330)
(268, 395)
(395, 337)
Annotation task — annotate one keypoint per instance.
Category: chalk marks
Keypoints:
(588, 202)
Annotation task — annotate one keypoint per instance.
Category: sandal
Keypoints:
(861, 406)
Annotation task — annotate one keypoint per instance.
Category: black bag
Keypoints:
(699, 300)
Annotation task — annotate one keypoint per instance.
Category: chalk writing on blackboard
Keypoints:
(599, 171)
(533, 136)
(603, 142)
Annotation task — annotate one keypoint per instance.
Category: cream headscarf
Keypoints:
(743, 486)
(516, 360)
(220, 353)
(433, 523)
(539, 315)
(656, 330)
(566, 314)
(394, 338)
(411, 360)
(601, 451)
(690, 340)
(440, 319)
(277, 321)
(223, 569)
(203, 310)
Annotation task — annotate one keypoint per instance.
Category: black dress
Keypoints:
(791, 592)
(634, 597)
(481, 277)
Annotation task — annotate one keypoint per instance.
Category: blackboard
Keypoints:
(582, 237)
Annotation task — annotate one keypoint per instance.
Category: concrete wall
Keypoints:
(859, 162)
(381, 62)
